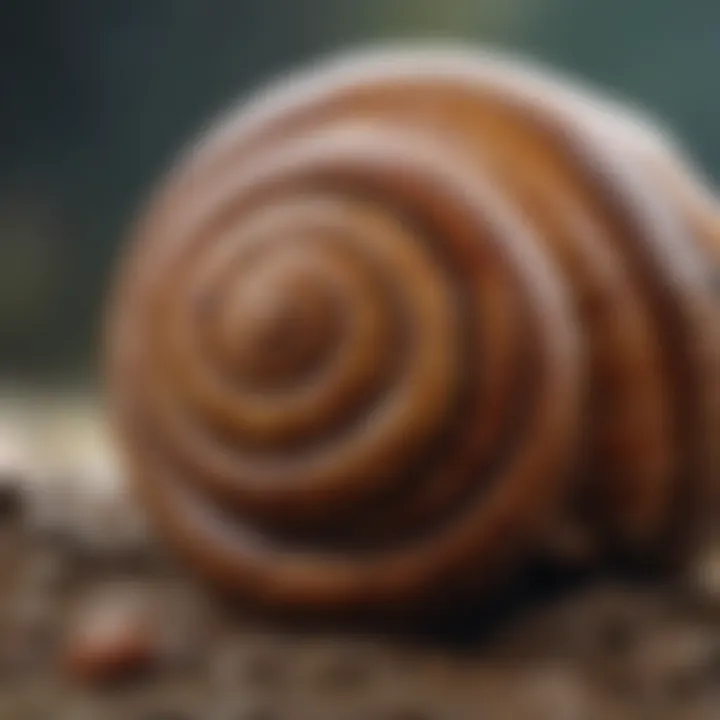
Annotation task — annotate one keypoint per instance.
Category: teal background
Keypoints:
(96, 97)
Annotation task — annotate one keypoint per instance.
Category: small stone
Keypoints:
(113, 638)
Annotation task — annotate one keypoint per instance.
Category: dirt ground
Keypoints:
(591, 649)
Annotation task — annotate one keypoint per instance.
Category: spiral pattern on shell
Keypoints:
(399, 319)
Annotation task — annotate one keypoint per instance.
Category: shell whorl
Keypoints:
(380, 327)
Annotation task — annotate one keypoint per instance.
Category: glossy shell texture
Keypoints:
(400, 318)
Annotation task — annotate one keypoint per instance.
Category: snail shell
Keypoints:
(405, 312)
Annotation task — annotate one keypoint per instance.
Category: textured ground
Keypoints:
(72, 549)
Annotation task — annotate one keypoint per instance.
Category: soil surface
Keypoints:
(98, 623)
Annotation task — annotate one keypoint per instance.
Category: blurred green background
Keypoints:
(96, 97)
